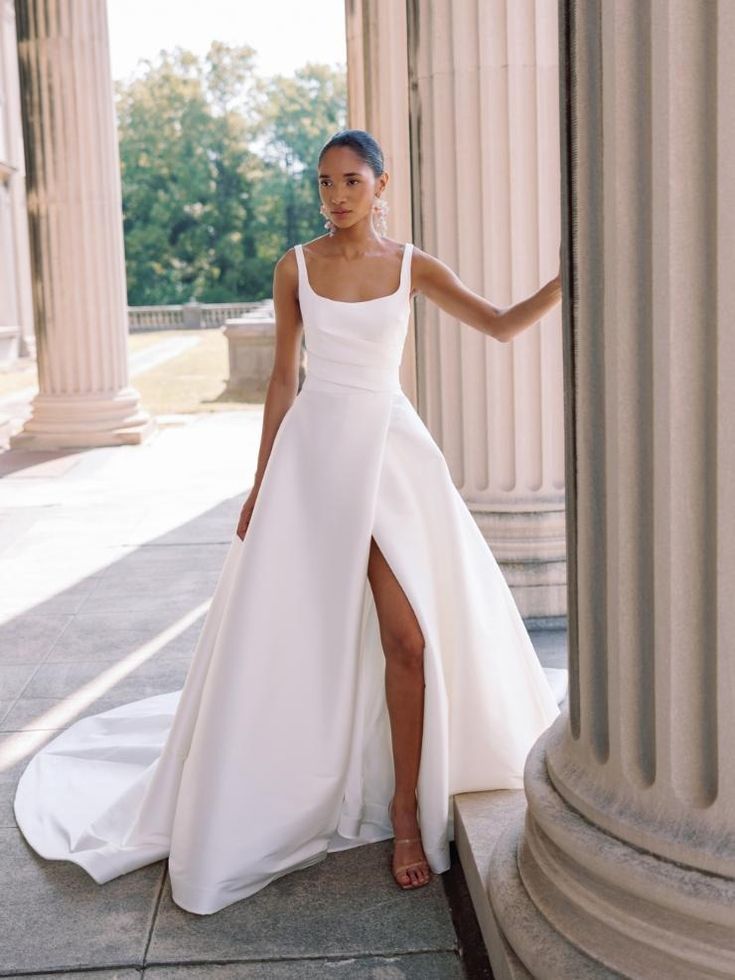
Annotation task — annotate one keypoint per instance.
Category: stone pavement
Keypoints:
(108, 559)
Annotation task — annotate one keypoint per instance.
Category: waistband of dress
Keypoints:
(371, 377)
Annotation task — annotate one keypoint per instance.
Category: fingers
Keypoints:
(246, 512)
(243, 525)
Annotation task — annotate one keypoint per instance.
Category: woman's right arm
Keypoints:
(284, 380)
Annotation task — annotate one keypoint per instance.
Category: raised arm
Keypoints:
(442, 286)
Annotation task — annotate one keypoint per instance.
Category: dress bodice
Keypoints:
(360, 343)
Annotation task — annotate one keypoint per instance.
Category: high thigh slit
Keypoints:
(277, 749)
(393, 577)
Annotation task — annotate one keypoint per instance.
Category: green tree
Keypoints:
(298, 115)
(218, 171)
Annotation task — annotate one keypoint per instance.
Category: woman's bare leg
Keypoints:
(403, 645)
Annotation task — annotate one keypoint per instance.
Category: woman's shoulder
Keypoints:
(317, 245)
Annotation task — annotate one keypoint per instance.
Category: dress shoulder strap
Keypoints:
(298, 251)
(406, 265)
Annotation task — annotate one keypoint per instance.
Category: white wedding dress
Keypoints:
(277, 750)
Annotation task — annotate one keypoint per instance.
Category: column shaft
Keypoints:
(654, 536)
(626, 862)
(75, 223)
(484, 109)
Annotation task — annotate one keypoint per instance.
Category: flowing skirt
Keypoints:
(277, 750)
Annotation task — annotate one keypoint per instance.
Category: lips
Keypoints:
(340, 212)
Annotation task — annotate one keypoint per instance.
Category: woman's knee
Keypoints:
(405, 648)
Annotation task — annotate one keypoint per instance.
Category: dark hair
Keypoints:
(365, 145)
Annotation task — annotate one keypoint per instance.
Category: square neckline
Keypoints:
(354, 302)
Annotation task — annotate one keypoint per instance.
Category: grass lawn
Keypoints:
(194, 381)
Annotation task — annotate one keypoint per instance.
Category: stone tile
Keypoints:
(173, 580)
(150, 618)
(15, 523)
(416, 966)
(15, 751)
(29, 713)
(45, 562)
(81, 643)
(119, 974)
(550, 646)
(347, 905)
(28, 639)
(58, 918)
(61, 680)
(23, 464)
(5, 705)
(197, 531)
(159, 554)
(13, 678)
(118, 600)
(21, 602)
(40, 573)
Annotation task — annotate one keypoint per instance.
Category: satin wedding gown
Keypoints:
(277, 750)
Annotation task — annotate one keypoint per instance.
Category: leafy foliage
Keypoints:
(219, 171)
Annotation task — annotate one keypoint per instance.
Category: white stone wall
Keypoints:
(16, 314)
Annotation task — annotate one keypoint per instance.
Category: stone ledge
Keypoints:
(479, 820)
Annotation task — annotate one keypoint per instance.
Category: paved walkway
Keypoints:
(108, 558)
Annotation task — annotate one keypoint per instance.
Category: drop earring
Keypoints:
(328, 224)
(380, 211)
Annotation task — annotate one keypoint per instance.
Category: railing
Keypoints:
(191, 315)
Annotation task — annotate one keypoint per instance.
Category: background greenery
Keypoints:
(219, 171)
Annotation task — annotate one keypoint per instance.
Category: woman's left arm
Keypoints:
(442, 286)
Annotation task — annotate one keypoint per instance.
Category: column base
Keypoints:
(570, 900)
(85, 421)
(530, 547)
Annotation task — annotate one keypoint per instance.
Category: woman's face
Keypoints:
(347, 186)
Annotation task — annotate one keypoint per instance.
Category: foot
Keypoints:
(409, 865)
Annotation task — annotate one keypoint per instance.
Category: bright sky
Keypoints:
(285, 33)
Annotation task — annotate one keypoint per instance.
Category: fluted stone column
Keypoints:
(75, 224)
(485, 160)
(16, 314)
(626, 862)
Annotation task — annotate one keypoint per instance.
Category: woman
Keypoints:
(362, 660)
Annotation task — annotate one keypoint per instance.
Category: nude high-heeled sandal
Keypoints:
(421, 863)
